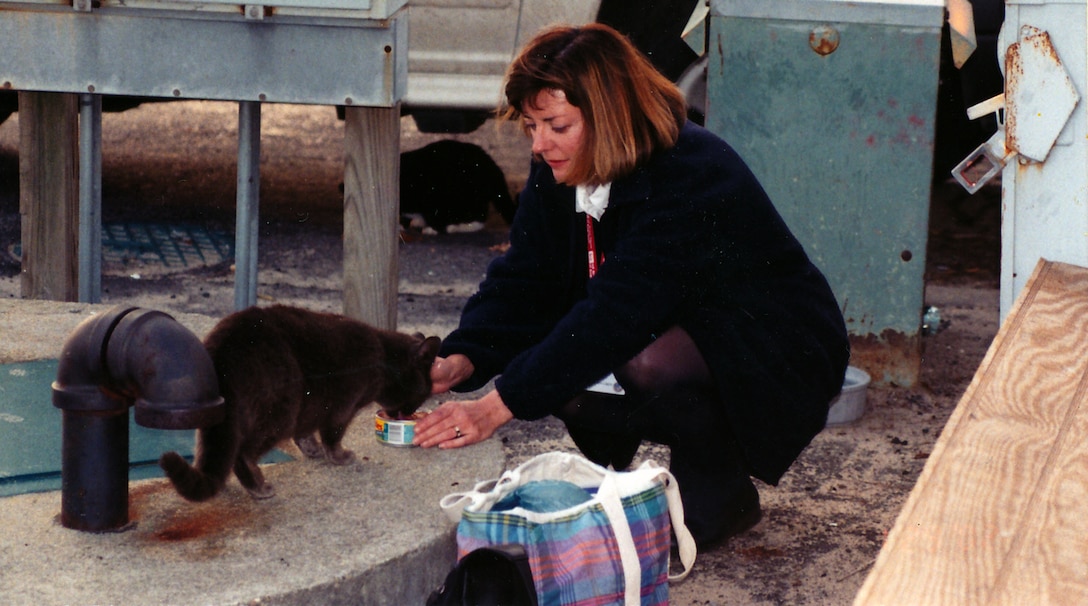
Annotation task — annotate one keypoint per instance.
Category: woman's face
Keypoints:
(556, 128)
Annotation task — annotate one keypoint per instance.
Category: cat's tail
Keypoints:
(214, 460)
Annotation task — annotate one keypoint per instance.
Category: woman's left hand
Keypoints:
(459, 423)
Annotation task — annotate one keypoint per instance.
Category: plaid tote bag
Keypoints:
(610, 548)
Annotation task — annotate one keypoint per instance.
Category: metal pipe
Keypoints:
(124, 357)
(249, 185)
(90, 198)
(94, 470)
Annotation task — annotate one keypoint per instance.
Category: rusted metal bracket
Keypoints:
(1039, 95)
(1039, 98)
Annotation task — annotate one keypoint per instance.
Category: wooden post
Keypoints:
(49, 195)
(371, 206)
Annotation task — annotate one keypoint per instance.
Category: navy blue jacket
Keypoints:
(689, 239)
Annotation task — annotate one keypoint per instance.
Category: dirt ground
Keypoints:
(823, 524)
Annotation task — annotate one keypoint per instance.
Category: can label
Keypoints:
(396, 432)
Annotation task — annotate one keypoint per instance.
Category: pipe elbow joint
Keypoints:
(130, 355)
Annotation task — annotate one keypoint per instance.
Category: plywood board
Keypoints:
(998, 513)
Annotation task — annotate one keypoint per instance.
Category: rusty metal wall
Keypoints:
(833, 107)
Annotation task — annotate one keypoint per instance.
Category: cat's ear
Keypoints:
(427, 349)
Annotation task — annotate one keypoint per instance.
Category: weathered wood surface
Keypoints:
(371, 208)
(49, 195)
(1000, 512)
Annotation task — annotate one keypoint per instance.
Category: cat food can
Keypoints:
(396, 432)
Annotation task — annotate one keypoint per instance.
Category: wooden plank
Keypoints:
(49, 195)
(1009, 472)
(1049, 560)
(371, 207)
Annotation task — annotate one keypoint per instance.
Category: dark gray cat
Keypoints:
(286, 373)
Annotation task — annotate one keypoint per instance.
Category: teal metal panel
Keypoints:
(922, 13)
(837, 121)
(30, 434)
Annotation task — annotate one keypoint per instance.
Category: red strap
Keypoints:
(591, 247)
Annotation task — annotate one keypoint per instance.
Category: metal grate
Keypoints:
(173, 245)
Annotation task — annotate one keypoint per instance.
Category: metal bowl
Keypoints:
(849, 405)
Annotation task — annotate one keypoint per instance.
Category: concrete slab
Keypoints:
(370, 532)
(37, 330)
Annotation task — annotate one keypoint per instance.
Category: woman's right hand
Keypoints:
(459, 423)
(447, 372)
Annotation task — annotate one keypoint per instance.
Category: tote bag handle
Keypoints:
(610, 496)
(611, 502)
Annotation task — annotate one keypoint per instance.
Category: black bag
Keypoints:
(488, 576)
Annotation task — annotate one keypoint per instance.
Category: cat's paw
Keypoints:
(310, 447)
(264, 491)
(341, 456)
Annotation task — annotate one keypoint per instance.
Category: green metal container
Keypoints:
(832, 104)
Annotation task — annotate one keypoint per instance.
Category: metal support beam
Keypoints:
(90, 198)
(247, 213)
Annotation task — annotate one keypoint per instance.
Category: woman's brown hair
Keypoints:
(630, 109)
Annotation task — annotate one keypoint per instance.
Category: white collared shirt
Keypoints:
(592, 199)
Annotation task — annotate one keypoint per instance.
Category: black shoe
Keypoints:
(623, 451)
(605, 449)
(712, 529)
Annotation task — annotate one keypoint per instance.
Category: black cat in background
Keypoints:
(450, 186)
